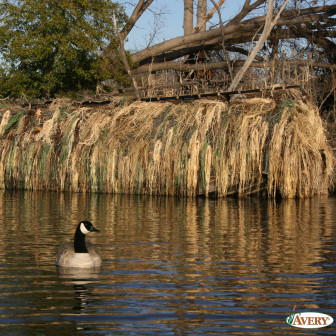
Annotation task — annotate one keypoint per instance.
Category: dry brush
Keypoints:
(247, 146)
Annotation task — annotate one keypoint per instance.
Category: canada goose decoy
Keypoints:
(79, 254)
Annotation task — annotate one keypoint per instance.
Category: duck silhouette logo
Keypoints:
(309, 320)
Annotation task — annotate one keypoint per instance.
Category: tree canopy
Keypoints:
(50, 47)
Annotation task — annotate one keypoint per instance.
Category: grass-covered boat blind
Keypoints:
(249, 146)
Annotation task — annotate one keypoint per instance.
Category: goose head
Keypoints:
(83, 228)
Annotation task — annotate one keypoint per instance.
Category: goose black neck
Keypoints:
(79, 242)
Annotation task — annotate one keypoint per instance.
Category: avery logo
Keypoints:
(309, 320)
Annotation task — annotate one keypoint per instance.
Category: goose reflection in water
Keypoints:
(82, 280)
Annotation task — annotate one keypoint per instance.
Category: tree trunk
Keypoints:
(201, 13)
(188, 24)
(208, 16)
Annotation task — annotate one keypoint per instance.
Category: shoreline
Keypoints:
(261, 146)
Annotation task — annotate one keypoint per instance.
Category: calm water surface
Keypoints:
(170, 266)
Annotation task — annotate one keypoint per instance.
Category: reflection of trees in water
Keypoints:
(267, 241)
(239, 252)
(251, 231)
(256, 247)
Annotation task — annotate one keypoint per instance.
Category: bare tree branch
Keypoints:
(209, 15)
(138, 11)
(124, 59)
(244, 52)
(247, 8)
(248, 27)
(226, 54)
(269, 24)
(321, 40)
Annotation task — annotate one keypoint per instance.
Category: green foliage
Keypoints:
(13, 120)
(286, 103)
(52, 47)
(203, 156)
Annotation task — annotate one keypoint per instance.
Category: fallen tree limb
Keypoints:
(223, 65)
(305, 16)
(215, 44)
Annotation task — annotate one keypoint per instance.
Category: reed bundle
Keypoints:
(247, 146)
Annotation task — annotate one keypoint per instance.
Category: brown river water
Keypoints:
(170, 266)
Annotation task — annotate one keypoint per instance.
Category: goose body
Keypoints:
(79, 254)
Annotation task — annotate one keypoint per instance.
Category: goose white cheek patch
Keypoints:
(84, 229)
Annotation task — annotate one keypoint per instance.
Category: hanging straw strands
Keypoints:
(244, 147)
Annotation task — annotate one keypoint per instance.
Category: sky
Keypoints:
(170, 24)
